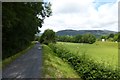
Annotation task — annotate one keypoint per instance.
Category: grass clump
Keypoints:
(87, 68)
(55, 67)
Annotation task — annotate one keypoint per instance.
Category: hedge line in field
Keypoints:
(87, 68)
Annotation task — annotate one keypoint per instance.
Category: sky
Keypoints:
(82, 15)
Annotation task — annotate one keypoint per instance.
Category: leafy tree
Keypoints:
(111, 35)
(66, 38)
(118, 36)
(115, 37)
(103, 37)
(88, 38)
(20, 23)
(78, 38)
(48, 37)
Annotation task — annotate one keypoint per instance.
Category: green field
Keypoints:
(103, 52)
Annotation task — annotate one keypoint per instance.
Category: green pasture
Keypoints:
(103, 52)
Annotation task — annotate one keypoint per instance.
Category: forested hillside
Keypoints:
(97, 33)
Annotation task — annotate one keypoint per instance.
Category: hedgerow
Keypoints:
(87, 68)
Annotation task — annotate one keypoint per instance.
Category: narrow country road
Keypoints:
(27, 66)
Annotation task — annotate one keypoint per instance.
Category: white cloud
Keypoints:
(81, 14)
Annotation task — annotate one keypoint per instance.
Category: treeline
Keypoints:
(86, 38)
(20, 22)
(111, 37)
(49, 36)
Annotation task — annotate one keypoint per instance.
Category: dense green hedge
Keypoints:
(87, 68)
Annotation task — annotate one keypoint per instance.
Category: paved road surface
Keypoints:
(27, 66)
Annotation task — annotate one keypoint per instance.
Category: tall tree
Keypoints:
(111, 35)
(20, 23)
(88, 38)
(78, 38)
(48, 37)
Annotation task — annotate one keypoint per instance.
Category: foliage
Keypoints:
(86, 67)
(111, 35)
(55, 67)
(48, 37)
(115, 37)
(118, 36)
(65, 38)
(78, 38)
(86, 38)
(20, 23)
(103, 37)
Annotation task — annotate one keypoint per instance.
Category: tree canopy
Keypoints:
(85, 38)
(48, 37)
(20, 22)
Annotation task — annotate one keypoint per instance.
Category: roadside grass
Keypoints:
(7, 61)
(86, 67)
(103, 52)
(54, 67)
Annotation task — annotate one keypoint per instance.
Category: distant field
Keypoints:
(103, 52)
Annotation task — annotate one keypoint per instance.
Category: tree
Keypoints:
(118, 36)
(115, 37)
(78, 38)
(20, 23)
(104, 37)
(88, 38)
(111, 35)
(48, 37)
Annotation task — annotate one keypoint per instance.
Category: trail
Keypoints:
(28, 65)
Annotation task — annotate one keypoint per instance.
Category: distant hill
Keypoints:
(97, 33)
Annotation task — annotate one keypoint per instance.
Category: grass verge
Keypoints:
(7, 61)
(55, 67)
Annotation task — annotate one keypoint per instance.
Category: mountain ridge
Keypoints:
(71, 32)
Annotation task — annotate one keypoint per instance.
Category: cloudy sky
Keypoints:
(83, 15)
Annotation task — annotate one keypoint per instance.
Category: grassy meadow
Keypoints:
(103, 52)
